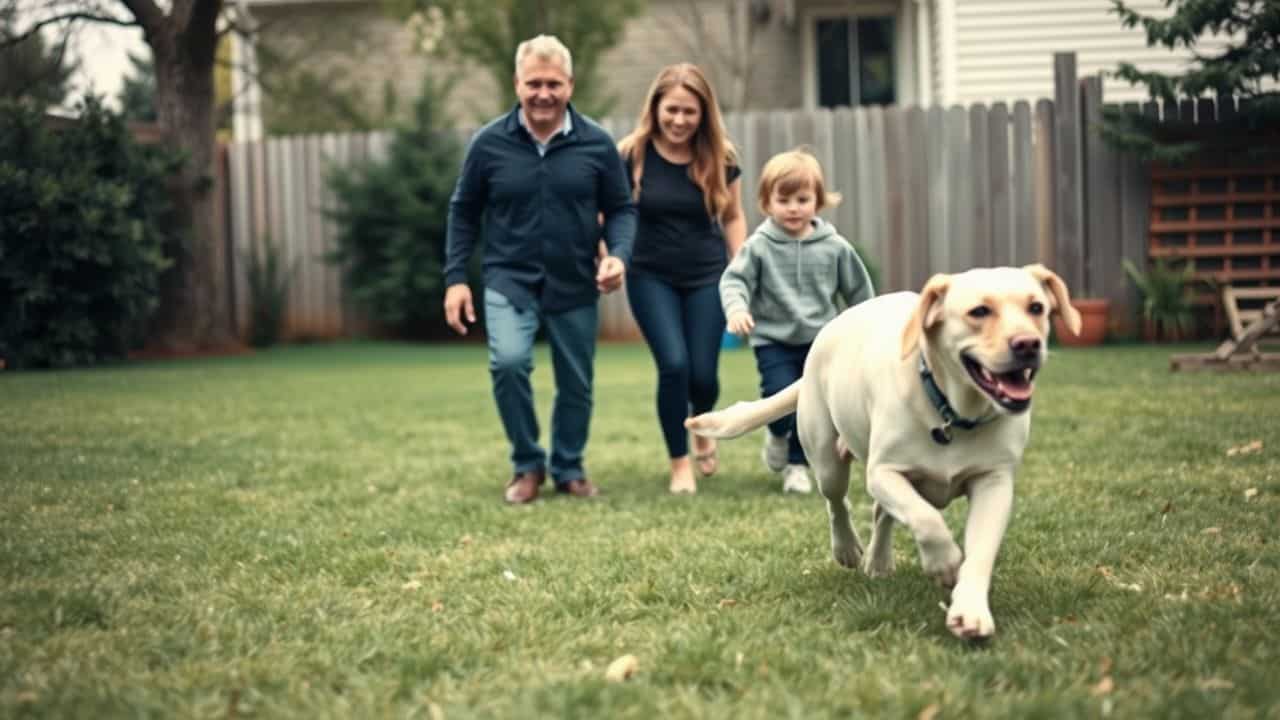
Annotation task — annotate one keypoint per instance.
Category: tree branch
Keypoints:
(64, 17)
(149, 15)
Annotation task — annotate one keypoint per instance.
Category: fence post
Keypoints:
(1068, 205)
(1103, 274)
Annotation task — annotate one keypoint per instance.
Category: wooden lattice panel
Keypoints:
(1224, 220)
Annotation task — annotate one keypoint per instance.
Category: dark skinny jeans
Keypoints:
(683, 328)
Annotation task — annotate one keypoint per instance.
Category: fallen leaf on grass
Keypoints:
(1250, 494)
(437, 606)
(622, 668)
(929, 712)
(1247, 448)
(507, 574)
(726, 603)
(1212, 531)
(465, 540)
(411, 585)
(1104, 687)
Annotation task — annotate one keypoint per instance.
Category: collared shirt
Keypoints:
(565, 128)
(538, 210)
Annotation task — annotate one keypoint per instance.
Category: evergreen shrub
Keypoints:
(83, 212)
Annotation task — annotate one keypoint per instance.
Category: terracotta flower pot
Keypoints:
(1093, 322)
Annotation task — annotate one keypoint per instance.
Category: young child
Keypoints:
(781, 288)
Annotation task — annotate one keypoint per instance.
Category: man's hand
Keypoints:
(741, 323)
(457, 306)
(609, 274)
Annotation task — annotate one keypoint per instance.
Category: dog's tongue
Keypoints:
(1014, 385)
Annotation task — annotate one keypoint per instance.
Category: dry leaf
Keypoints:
(1249, 447)
(437, 606)
(411, 585)
(929, 712)
(727, 603)
(1250, 494)
(464, 540)
(1104, 687)
(622, 668)
(1212, 531)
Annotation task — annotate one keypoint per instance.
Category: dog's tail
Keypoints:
(743, 417)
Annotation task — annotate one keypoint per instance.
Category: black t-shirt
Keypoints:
(676, 240)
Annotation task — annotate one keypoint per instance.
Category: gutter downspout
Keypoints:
(924, 55)
(947, 48)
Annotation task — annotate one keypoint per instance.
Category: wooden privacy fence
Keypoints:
(925, 190)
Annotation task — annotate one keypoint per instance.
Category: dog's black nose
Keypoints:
(1025, 345)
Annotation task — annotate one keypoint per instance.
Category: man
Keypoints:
(537, 179)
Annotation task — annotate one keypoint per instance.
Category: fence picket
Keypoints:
(925, 191)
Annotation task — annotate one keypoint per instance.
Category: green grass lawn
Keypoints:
(318, 532)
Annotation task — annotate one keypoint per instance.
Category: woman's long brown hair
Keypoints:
(712, 150)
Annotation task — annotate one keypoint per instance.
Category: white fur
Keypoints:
(861, 393)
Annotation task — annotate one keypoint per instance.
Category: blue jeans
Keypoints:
(683, 327)
(779, 366)
(572, 335)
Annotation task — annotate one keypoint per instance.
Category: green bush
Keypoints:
(391, 218)
(82, 212)
(268, 282)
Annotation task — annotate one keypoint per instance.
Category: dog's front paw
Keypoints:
(941, 561)
(969, 616)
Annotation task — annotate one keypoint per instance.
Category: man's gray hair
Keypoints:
(545, 47)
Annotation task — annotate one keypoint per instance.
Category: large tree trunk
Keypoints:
(195, 306)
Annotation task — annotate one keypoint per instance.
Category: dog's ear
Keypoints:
(927, 313)
(1058, 294)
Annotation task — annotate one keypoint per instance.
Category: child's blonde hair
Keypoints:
(790, 172)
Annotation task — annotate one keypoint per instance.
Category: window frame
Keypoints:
(904, 91)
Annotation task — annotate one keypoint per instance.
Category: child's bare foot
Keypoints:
(705, 454)
(682, 480)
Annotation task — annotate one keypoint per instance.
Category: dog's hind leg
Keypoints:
(818, 436)
(880, 552)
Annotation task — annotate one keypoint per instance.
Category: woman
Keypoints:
(685, 180)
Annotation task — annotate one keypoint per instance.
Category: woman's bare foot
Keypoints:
(705, 455)
(682, 480)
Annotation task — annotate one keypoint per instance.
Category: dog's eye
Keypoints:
(1036, 308)
(980, 312)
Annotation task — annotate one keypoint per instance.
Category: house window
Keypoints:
(855, 61)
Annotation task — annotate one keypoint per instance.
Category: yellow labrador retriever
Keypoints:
(932, 392)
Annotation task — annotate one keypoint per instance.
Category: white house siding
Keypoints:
(1004, 48)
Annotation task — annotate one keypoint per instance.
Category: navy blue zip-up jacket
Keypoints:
(539, 212)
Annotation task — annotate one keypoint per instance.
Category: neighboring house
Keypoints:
(773, 54)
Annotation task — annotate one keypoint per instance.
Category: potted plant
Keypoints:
(1094, 314)
(1167, 300)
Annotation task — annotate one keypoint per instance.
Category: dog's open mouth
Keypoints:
(1011, 389)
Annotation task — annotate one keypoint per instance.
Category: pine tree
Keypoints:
(29, 71)
(1246, 69)
(138, 93)
(392, 216)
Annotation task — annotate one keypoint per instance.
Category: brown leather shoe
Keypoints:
(581, 487)
(523, 488)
